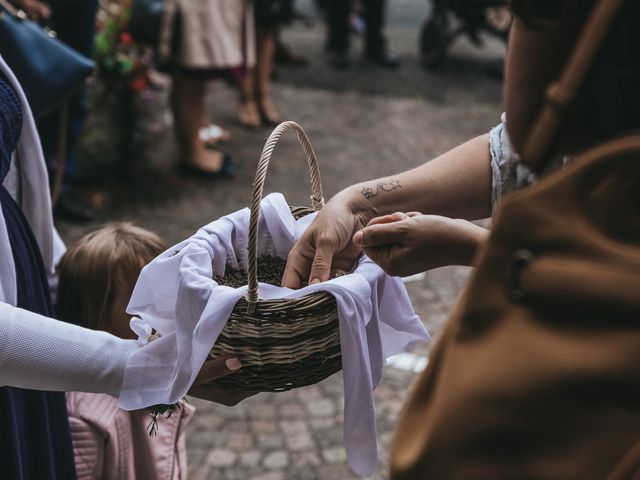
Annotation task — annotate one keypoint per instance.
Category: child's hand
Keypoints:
(205, 386)
(407, 243)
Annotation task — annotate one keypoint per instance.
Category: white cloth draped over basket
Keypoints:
(176, 295)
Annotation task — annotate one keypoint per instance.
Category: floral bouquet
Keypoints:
(121, 62)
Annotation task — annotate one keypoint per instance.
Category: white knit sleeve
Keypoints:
(41, 353)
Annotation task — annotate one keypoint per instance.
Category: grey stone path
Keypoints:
(363, 122)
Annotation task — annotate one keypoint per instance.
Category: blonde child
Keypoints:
(97, 276)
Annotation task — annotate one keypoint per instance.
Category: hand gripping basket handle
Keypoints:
(317, 201)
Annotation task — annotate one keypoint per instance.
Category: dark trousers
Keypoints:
(74, 21)
(338, 25)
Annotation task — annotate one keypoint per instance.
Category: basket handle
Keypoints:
(317, 201)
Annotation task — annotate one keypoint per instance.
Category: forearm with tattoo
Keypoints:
(381, 187)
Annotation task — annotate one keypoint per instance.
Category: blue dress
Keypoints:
(35, 442)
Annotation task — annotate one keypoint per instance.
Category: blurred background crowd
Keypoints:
(170, 52)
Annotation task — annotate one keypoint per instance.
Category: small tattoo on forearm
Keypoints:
(381, 187)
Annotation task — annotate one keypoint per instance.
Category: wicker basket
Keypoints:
(285, 343)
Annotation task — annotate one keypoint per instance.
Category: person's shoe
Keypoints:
(228, 169)
(384, 58)
(338, 60)
(69, 207)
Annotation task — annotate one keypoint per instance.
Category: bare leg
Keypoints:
(249, 115)
(187, 103)
(266, 56)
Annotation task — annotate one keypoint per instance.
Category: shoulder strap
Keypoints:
(561, 94)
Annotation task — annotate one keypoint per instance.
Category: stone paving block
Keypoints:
(269, 441)
(229, 412)
(330, 437)
(250, 458)
(299, 440)
(269, 476)
(201, 475)
(320, 407)
(291, 409)
(263, 411)
(302, 474)
(221, 457)
(206, 437)
(336, 471)
(239, 440)
(239, 426)
(307, 458)
(293, 426)
(333, 385)
(263, 426)
(206, 421)
(230, 474)
(324, 423)
(334, 455)
(276, 460)
(308, 393)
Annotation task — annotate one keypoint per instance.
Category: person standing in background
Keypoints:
(74, 21)
(256, 106)
(339, 13)
(214, 40)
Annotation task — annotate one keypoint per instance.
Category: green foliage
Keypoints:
(121, 61)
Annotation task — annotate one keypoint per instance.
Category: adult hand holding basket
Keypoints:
(284, 338)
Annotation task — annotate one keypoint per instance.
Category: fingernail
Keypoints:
(314, 281)
(233, 364)
(357, 238)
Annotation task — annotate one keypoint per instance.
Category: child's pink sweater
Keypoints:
(113, 444)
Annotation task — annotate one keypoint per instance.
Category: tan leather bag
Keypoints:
(537, 373)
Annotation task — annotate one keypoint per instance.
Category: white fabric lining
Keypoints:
(176, 295)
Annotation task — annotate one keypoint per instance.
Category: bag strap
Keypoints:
(561, 94)
(13, 11)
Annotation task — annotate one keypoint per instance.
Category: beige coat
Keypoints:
(113, 444)
(214, 34)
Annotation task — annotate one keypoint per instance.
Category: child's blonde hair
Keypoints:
(98, 267)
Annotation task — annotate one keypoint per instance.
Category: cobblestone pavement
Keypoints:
(363, 122)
